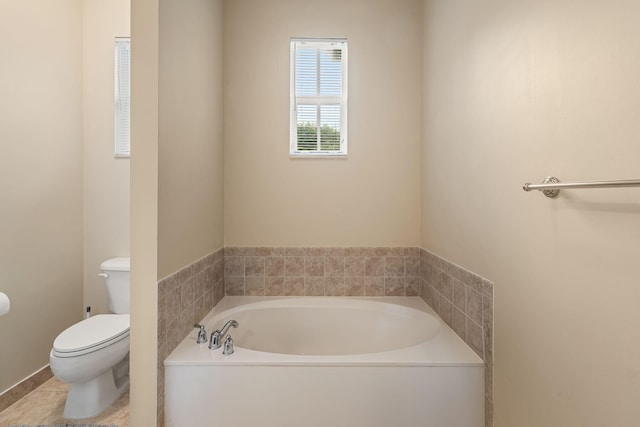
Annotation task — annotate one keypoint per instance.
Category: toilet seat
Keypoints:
(91, 334)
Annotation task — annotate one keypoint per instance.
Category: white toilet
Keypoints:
(93, 355)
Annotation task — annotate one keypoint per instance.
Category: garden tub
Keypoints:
(316, 361)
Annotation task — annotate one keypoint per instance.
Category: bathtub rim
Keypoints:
(445, 349)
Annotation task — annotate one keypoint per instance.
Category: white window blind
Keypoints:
(318, 97)
(122, 96)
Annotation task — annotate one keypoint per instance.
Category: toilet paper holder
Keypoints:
(5, 304)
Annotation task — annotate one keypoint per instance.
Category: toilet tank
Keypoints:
(116, 275)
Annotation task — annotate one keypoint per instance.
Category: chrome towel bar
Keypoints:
(551, 186)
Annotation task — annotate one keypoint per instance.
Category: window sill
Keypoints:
(318, 155)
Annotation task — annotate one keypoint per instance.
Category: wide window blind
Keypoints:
(122, 97)
(318, 97)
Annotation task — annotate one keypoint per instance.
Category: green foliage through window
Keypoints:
(308, 138)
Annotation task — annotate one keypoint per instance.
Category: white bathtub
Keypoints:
(339, 362)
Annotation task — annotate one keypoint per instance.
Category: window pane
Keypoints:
(307, 127)
(306, 72)
(331, 72)
(330, 127)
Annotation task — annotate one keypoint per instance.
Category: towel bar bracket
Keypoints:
(551, 192)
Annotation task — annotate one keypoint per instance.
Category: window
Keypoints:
(318, 97)
(122, 96)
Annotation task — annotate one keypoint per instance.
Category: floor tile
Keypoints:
(45, 405)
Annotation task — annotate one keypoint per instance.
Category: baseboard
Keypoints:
(24, 387)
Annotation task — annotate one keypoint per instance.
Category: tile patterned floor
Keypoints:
(45, 404)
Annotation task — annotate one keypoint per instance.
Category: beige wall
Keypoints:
(369, 199)
(176, 164)
(40, 179)
(516, 91)
(190, 179)
(144, 212)
(106, 178)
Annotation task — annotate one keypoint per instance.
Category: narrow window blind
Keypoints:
(318, 97)
(122, 97)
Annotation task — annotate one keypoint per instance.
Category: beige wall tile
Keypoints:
(459, 323)
(412, 286)
(254, 266)
(354, 286)
(274, 286)
(187, 294)
(412, 266)
(374, 266)
(474, 335)
(274, 266)
(293, 266)
(314, 286)
(446, 311)
(233, 266)
(314, 266)
(254, 286)
(412, 252)
(334, 252)
(234, 285)
(460, 295)
(474, 306)
(293, 286)
(374, 286)
(358, 252)
(445, 284)
(394, 266)
(354, 266)
(295, 252)
(334, 286)
(334, 266)
(394, 286)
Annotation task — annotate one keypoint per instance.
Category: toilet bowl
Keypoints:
(92, 356)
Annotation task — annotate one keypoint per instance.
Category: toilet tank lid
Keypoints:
(116, 264)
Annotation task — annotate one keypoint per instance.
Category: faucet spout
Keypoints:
(226, 327)
(218, 336)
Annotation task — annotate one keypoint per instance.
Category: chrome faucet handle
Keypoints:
(202, 334)
(215, 340)
(228, 346)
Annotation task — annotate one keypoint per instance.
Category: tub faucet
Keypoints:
(228, 346)
(202, 334)
(218, 336)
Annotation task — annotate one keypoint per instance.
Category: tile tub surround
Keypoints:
(184, 298)
(317, 271)
(461, 298)
(464, 301)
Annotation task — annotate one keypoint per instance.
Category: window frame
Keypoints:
(318, 100)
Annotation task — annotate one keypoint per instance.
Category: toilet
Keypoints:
(92, 356)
